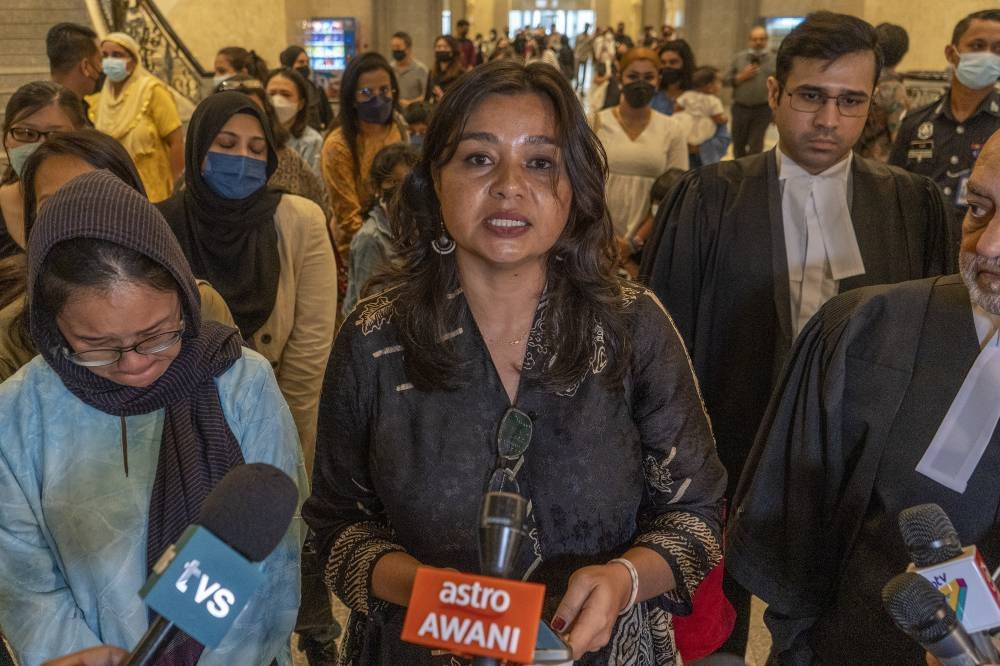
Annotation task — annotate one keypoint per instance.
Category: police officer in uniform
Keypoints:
(942, 140)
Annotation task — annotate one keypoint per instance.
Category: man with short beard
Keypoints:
(880, 379)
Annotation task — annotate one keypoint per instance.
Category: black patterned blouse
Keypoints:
(402, 469)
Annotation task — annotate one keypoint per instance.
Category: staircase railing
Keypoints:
(163, 52)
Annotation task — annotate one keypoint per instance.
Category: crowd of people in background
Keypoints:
(327, 283)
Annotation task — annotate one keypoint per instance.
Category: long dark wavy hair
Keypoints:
(581, 285)
(364, 63)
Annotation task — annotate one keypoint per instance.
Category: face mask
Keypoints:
(638, 94)
(234, 176)
(219, 78)
(417, 140)
(304, 71)
(115, 69)
(285, 109)
(442, 56)
(398, 56)
(978, 70)
(19, 155)
(377, 110)
(669, 77)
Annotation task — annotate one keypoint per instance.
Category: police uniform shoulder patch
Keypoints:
(925, 131)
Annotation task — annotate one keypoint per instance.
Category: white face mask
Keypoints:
(219, 78)
(285, 108)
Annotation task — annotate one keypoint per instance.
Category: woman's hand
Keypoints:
(590, 607)
(105, 655)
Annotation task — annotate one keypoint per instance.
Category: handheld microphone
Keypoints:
(959, 573)
(922, 613)
(202, 583)
(501, 527)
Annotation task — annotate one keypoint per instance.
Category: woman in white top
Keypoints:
(640, 143)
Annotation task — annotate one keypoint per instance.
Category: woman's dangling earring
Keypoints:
(443, 244)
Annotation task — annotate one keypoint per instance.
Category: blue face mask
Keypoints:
(417, 140)
(20, 154)
(978, 69)
(115, 69)
(234, 176)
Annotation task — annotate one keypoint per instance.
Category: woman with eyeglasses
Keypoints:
(34, 112)
(115, 434)
(369, 121)
(505, 354)
(137, 109)
(267, 252)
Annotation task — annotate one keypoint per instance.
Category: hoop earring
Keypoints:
(444, 244)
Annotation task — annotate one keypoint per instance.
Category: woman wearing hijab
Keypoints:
(136, 108)
(126, 357)
(266, 252)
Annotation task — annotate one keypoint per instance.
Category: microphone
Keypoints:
(202, 583)
(958, 573)
(922, 613)
(501, 527)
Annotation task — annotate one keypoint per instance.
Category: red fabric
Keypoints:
(711, 620)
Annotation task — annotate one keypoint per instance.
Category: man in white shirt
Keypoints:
(887, 401)
(411, 74)
(744, 252)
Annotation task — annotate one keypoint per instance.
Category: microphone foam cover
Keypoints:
(918, 608)
(929, 535)
(250, 509)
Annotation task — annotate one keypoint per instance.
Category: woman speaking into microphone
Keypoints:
(504, 354)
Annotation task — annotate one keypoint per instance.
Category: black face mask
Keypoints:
(304, 71)
(398, 55)
(442, 56)
(669, 77)
(638, 94)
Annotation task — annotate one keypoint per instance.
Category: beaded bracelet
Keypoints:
(635, 583)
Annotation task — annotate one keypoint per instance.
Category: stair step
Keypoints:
(37, 60)
(47, 17)
(6, 5)
(34, 31)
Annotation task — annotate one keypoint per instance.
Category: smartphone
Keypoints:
(549, 647)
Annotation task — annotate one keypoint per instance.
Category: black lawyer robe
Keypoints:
(814, 532)
(717, 260)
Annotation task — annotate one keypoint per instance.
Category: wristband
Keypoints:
(634, 575)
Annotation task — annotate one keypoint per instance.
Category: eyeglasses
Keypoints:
(810, 101)
(239, 86)
(96, 358)
(513, 438)
(29, 135)
(365, 94)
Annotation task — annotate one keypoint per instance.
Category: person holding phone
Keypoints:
(505, 354)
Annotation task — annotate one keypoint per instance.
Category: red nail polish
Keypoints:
(558, 623)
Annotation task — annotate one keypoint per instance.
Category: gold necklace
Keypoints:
(514, 342)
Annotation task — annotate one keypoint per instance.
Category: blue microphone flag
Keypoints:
(201, 585)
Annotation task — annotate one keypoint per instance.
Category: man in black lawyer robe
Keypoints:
(720, 259)
(860, 403)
